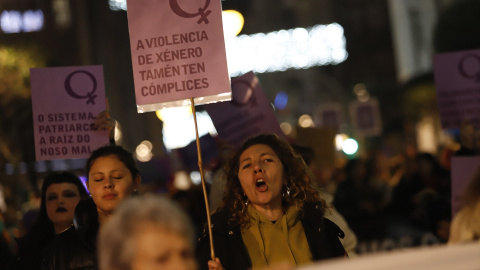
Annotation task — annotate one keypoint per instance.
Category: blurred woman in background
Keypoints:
(46, 245)
(112, 176)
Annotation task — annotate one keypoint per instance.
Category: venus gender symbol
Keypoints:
(201, 11)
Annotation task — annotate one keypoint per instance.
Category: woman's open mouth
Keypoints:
(261, 185)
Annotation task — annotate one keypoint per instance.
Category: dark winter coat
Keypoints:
(321, 233)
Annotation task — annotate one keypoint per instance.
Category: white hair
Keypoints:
(115, 242)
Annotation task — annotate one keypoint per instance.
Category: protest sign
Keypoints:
(65, 102)
(463, 170)
(247, 114)
(329, 115)
(178, 52)
(438, 257)
(457, 81)
(366, 118)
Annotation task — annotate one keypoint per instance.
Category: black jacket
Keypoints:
(322, 236)
(64, 251)
(86, 223)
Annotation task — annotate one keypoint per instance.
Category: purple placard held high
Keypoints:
(65, 102)
(457, 81)
(178, 52)
(248, 114)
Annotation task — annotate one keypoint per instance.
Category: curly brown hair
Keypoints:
(299, 180)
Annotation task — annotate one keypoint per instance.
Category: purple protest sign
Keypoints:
(247, 114)
(178, 53)
(65, 102)
(366, 118)
(329, 115)
(457, 81)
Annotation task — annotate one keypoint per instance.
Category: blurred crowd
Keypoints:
(376, 202)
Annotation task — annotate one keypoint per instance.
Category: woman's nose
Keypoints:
(258, 168)
(108, 183)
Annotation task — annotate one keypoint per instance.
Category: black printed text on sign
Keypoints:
(457, 81)
(178, 52)
(65, 102)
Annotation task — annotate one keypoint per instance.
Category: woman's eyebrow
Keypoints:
(261, 155)
(245, 159)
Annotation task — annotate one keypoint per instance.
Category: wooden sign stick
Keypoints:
(199, 153)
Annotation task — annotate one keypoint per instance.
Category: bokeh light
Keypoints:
(281, 100)
(181, 180)
(350, 146)
(339, 139)
(196, 177)
(179, 126)
(143, 152)
(298, 48)
(286, 128)
(232, 23)
(305, 121)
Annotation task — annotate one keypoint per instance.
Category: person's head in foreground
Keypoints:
(267, 174)
(147, 232)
